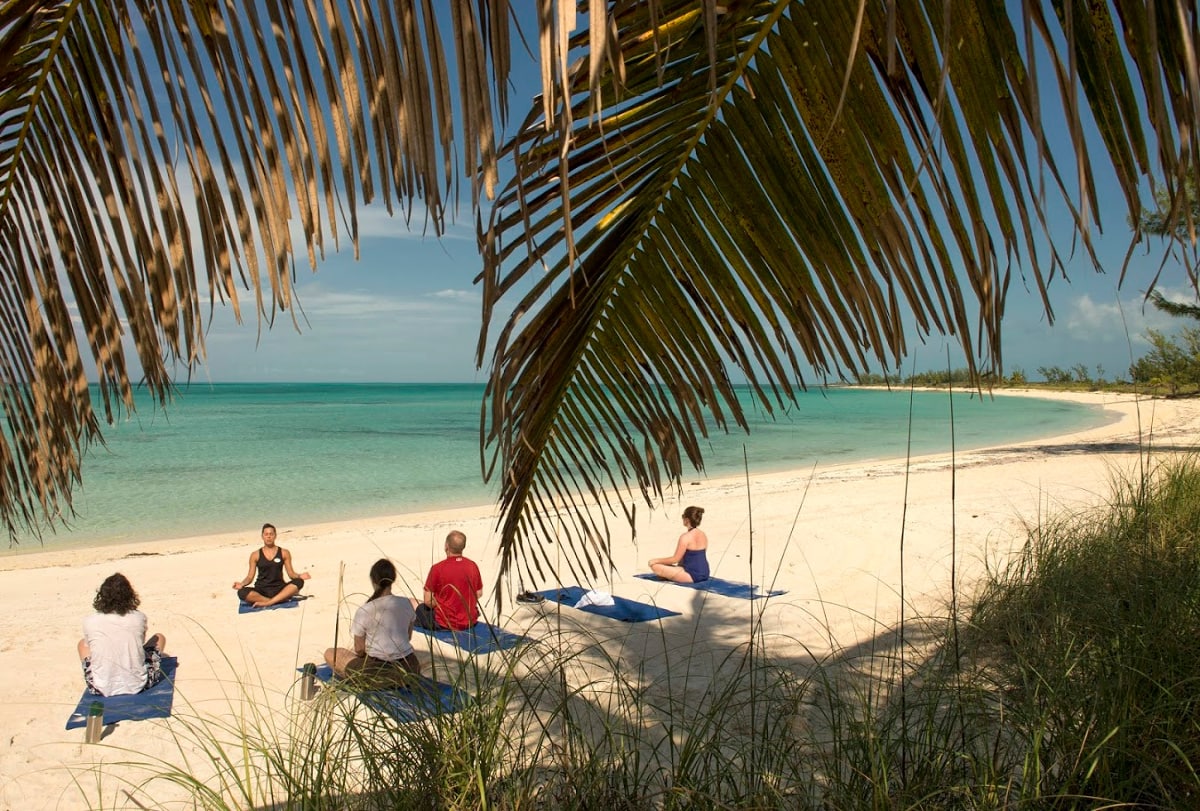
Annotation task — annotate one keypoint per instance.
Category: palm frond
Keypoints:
(154, 153)
(781, 195)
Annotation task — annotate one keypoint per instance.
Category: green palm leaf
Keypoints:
(775, 189)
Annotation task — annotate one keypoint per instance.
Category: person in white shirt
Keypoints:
(382, 631)
(118, 658)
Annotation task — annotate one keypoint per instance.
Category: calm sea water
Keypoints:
(229, 456)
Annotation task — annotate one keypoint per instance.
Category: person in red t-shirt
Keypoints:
(452, 590)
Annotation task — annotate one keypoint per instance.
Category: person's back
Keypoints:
(387, 624)
(383, 654)
(451, 590)
(118, 661)
(455, 582)
(117, 657)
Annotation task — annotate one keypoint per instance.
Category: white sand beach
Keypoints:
(830, 536)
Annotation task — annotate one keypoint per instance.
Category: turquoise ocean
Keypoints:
(227, 457)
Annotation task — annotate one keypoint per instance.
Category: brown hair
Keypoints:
(383, 574)
(456, 542)
(693, 515)
(116, 596)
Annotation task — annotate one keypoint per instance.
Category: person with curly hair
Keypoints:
(118, 659)
(689, 564)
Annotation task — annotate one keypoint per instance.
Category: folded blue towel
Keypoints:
(480, 638)
(246, 608)
(726, 588)
(153, 703)
(426, 698)
(624, 610)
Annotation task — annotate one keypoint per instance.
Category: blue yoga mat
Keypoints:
(424, 700)
(726, 588)
(246, 608)
(153, 703)
(480, 638)
(624, 610)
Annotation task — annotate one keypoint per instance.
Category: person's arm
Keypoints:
(287, 565)
(360, 645)
(432, 584)
(680, 548)
(250, 574)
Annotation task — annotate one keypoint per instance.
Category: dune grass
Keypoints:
(1070, 680)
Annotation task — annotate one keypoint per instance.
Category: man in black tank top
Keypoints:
(267, 567)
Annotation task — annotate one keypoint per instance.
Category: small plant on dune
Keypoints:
(1074, 684)
(1094, 634)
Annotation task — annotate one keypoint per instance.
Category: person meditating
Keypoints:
(382, 631)
(267, 566)
(689, 564)
(452, 590)
(117, 658)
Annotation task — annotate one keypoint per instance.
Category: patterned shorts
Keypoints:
(154, 672)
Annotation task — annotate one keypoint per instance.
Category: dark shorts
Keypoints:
(154, 672)
(427, 620)
(380, 673)
(268, 590)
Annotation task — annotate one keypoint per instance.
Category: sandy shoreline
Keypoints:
(828, 535)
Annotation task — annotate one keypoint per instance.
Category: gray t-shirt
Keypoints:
(387, 623)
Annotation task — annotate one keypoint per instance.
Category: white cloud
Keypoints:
(325, 308)
(1090, 319)
(374, 222)
(1087, 319)
(471, 296)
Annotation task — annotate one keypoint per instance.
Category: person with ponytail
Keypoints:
(382, 631)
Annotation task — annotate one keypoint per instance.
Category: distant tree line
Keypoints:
(1077, 375)
(1171, 365)
(941, 378)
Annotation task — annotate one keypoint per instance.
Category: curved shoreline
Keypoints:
(196, 490)
(1121, 431)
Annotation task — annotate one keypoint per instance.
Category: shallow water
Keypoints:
(226, 457)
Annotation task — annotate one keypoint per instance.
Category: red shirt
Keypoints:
(455, 582)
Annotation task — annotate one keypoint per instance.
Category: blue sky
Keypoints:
(408, 310)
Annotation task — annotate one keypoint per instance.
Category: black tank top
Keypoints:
(270, 570)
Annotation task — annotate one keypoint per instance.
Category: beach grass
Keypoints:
(1068, 680)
